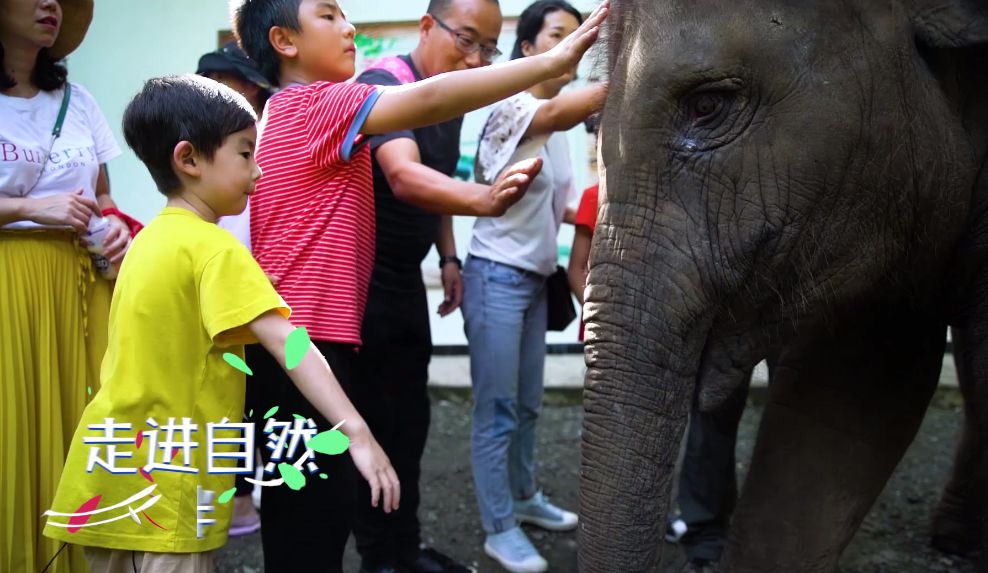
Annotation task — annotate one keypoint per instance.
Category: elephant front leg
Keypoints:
(842, 410)
(959, 521)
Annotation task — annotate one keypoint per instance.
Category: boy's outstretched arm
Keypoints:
(453, 94)
(316, 381)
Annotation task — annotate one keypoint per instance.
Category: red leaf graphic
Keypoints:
(140, 439)
(146, 475)
(152, 521)
(79, 520)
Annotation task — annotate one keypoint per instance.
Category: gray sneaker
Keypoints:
(514, 552)
(538, 511)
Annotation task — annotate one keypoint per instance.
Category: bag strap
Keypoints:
(62, 111)
(397, 67)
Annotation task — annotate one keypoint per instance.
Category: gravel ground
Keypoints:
(892, 539)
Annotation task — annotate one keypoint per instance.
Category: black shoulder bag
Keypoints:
(559, 299)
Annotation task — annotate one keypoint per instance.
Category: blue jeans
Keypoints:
(504, 313)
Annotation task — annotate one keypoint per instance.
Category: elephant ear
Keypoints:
(950, 23)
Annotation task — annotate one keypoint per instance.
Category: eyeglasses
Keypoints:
(468, 45)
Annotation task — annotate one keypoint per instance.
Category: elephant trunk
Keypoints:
(645, 338)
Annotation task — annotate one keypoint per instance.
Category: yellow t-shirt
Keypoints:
(186, 292)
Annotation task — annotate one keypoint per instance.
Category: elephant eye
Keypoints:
(705, 105)
(712, 114)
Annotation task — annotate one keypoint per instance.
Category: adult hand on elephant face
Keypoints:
(512, 185)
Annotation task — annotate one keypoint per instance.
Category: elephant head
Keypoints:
(764, 164)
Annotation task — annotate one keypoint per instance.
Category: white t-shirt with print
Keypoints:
(525, 236)
(26, 124)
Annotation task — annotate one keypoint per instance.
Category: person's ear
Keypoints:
(950, 23)
(527, 49)
(426, 25)
(186, 160)
(283, 41)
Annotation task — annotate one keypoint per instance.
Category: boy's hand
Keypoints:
(567, 54)
(374, 465)
(511, 186)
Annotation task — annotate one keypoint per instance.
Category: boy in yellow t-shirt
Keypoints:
(143, 478)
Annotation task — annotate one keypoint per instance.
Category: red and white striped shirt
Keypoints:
(312, 214)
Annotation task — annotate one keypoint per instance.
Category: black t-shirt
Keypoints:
(405, 233)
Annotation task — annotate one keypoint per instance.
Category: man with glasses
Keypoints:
(415, 197)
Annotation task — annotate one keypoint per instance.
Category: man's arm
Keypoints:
(426, 188)
(453, 94)
(445, 241)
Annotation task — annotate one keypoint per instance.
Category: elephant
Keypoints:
(803, 181)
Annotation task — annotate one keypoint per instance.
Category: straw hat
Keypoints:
(76, 16)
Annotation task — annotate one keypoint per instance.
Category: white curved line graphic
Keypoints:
(128, 501)
(146, 505)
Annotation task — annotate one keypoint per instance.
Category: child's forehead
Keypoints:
(246, 136)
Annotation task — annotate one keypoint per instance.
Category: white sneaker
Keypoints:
(514, 552)
(676, 530)
(538, 511)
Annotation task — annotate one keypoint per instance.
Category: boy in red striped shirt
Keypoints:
(312, 215)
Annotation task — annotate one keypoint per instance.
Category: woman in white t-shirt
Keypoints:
(504, 304)
(55, 308)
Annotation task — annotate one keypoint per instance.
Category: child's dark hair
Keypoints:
(190, 108)
(533, 18)
(253, 19)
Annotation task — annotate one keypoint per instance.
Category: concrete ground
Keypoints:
(892, 539)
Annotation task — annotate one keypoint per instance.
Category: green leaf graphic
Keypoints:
(271, 412)
(300, 417)
(293, 478)
(227, 495)
(323, 476)
(331, 443)
(238, 363)
(296, 346)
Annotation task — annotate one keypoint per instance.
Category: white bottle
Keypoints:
(94, 237)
